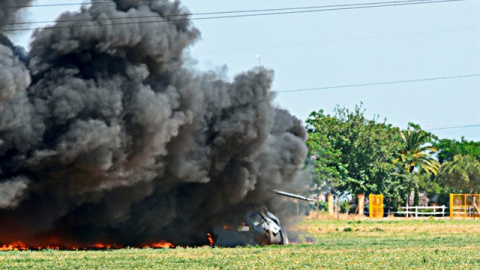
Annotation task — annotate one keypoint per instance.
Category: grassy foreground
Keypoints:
(342, 244)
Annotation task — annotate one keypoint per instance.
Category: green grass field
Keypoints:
(343, 244)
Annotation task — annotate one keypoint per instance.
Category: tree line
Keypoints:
(350, 154)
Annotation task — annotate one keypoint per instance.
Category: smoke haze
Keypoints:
(107, 135)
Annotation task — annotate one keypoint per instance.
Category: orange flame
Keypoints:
(49, 247)
(22, 246)
(161, 244)
(18, 245)
(101, 246)
(210, 239)
(14, 246)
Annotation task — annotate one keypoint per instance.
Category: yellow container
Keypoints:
(375, 206)
(464, 205)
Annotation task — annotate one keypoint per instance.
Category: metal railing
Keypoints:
(420, 210)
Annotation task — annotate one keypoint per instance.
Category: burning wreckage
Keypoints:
(108, 136)
(257, 226)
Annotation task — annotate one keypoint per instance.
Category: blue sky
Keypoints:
(335, 48)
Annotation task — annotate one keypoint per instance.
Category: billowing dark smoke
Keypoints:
(11, 12)
(107, 135)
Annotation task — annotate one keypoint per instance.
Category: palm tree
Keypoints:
(416, 153)
(462, 173)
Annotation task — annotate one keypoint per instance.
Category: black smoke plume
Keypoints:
(107, 134)
(11, 12)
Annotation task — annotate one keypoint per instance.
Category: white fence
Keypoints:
(422, 210)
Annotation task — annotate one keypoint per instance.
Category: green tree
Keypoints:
(323, 158)
(462, 173)
(450, 148)
(417, 154)
(353, 153)
(432, 185)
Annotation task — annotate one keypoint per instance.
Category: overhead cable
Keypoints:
(378, 83)
(76, 4)
(454, 127)
(268, 13)
(339, 40)
(370, 4)
(143, 1)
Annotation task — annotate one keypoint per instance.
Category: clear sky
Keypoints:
(349, 47)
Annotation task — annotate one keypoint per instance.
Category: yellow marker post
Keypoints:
(375, 206)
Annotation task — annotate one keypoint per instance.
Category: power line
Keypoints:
(134, 1)
(379, 83)
(353, 6)
(339, 40)
(211, 13)
(215, 12)
(404, 3)
(76, 4)
(454, 127)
